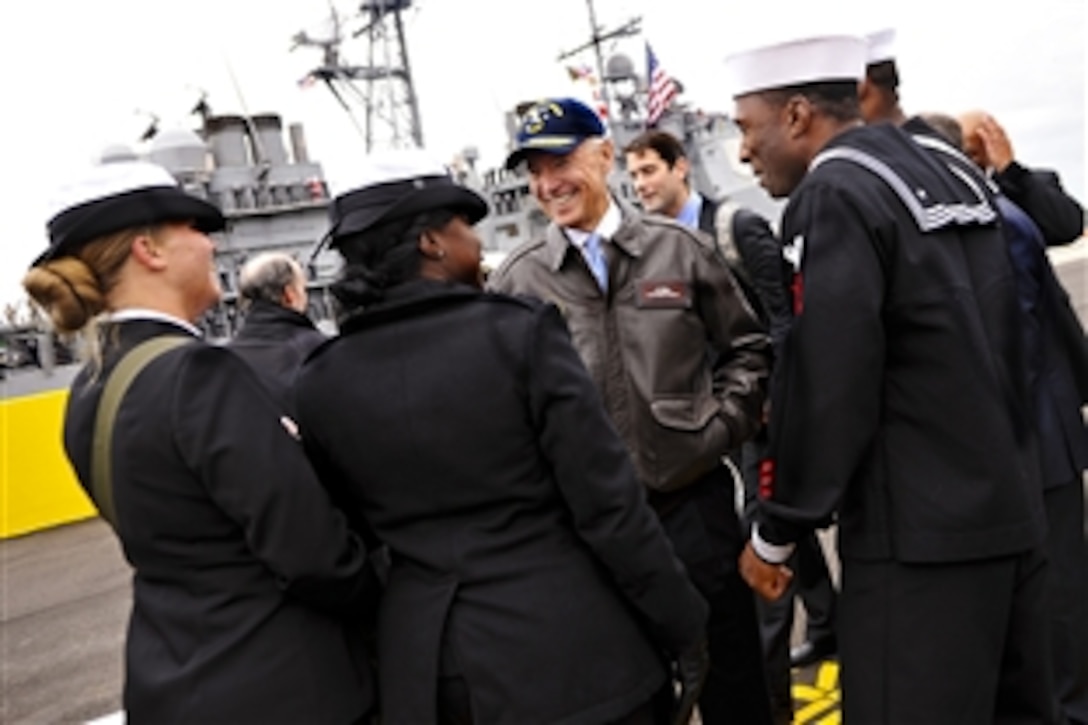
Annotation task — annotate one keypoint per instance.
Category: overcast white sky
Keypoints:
(78, 71)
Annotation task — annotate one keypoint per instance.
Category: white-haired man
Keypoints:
(277, 335)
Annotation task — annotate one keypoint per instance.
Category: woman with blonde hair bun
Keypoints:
(246, 580)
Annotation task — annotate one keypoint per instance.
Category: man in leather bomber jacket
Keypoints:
(645, 299)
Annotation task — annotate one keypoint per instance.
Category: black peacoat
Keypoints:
(245, 577)
(274, 340)
(462, 427)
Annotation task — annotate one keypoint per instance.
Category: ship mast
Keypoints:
(597, 37)
(383, 87)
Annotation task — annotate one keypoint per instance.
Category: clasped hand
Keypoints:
(768, 580)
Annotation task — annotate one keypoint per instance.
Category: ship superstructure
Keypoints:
(273, 199)
(379, 96)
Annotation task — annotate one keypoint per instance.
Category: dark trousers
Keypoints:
(455, 706)
(702, 523)
(812, 583)
(956, 644)
(1067, 590)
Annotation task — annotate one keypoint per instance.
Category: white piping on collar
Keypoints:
(142, 313)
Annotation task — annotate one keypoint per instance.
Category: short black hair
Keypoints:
(667, 146)
(884, 74)
(382, 257)
(837, 99)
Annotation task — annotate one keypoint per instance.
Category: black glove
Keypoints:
(690, 672)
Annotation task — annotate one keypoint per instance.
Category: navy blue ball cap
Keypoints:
(120, 195)
(554, 126)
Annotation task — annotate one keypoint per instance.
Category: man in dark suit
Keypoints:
(1038, 192)
(277, 335)
(1063, 454)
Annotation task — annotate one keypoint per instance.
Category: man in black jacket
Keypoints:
(899, 402)
(277, 335)
(1038, 192)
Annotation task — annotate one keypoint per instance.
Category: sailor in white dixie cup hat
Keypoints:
(897, 404)
(881, 46)
(807, 60)
(242, 569)
(879, 90)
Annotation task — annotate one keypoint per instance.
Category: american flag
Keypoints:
(662, 88)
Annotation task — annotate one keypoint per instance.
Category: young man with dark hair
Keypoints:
(661, 172)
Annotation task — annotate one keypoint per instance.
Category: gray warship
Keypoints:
(275, 197)
(380, 98)
(272, 199)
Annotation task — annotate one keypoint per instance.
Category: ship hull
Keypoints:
(39, 488)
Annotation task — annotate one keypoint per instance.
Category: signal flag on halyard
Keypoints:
(585, 73)
(662, 88)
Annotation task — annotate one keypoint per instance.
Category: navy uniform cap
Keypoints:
(554, 126)
(814, 59)
(881, 46)
(398, 183)
(119, 195)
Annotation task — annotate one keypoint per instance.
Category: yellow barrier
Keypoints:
(38, 488)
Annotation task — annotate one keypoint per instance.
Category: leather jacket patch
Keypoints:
(669, 293)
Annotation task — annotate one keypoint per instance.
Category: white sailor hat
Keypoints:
(881, 46)
(119, 195)
(399, 183)
(807, 60)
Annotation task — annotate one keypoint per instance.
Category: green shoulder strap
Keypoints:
(116, 384)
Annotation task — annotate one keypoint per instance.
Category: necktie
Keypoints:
(594, 254)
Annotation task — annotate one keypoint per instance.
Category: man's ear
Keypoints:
(287, 296)
(864, 89)
(607, 152)
(683, 167)
(146, 251)
(798, 114)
